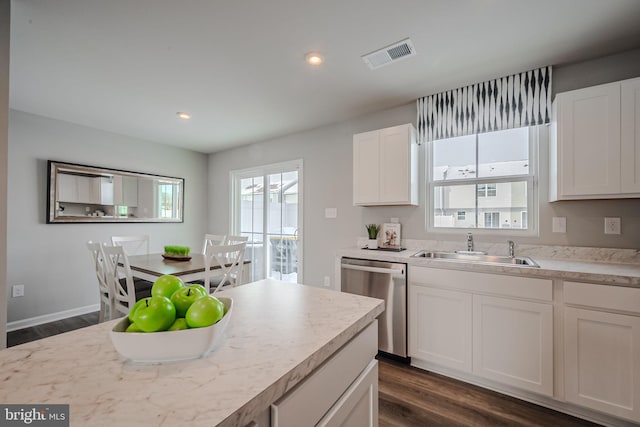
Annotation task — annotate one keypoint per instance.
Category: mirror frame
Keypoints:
(53, 167)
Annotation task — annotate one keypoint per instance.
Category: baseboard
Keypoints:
(548, 402)
(46, 318)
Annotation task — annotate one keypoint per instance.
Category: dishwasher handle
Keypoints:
(391, 271)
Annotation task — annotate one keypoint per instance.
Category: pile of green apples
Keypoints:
(174, 306)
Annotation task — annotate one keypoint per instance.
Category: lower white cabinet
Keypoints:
(602, 348)
(341, 392)
(492, 326)
(357, 407)
(513, 342)
(440, 326)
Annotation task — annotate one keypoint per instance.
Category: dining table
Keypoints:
(151, 266)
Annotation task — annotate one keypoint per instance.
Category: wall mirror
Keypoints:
(82, 193)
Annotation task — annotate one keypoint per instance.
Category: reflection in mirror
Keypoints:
(81, 193)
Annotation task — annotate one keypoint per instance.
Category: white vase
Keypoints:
(373, 244)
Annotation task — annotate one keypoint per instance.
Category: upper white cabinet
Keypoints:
(85, 189)
(385, 167)
(630, 136)
(595, 142)
(125, 190)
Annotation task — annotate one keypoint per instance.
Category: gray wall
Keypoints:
(5, 15)
(327, 155)
(51, 260)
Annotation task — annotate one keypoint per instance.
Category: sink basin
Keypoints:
(477, 258)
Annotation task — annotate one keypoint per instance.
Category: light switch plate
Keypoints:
(559, 224)
(330, 212)
(611, 225)
(394, 220)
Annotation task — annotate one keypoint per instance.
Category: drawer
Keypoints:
(494, 284)
(310, 400)
(602, 296)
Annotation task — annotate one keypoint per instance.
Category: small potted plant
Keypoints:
(373, 230)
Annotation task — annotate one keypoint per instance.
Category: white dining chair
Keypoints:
(213, 240)
(127, 290)
(232, 240)
(230, 259)
(133, 245)
(105, 290)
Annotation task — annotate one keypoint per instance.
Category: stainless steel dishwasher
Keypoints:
(387, 281)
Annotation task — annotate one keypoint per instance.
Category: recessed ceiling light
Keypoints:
(314, 58)
(183, 115)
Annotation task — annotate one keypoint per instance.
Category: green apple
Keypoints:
(133, 328)
(134, 309)
(179, 325)
(204, 312)
(156, 313)
(166, 285)
(184, 297)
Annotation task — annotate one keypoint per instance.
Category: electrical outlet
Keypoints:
(17, 291)
(559, 224)
(330, 212)
(327, 281)
(611, 225)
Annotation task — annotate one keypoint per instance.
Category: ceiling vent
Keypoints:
(389, 54)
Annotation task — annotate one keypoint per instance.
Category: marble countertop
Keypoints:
(609, 273)
(279, 333)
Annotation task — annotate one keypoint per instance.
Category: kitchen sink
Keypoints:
(477, 258)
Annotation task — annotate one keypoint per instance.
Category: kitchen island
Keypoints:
(281, 338)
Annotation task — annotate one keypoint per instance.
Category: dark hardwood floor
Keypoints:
(413, 397)
(408, 396)
(25, 335)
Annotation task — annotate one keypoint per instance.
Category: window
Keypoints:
(491, 219)
(267, 208)
(486, 190)
(483, 181)
(168, 199)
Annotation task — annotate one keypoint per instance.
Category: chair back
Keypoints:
(230, 259)
(121, 278)
(232, 240)
(133, 245)
(213, 240)
(105, 290)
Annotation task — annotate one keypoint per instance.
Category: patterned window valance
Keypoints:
(515, 101)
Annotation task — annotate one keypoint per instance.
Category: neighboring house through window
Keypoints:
(483, 181)
(267, 208)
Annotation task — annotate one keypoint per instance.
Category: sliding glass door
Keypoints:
(267, 208)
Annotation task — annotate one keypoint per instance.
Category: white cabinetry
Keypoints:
(513, 342)
(84, 189)
(385, 167)
(602, 348)
(440, 326)
(67, 188)
(595, 142)
(630, 136)
(125, 190)
(494, 326)
(342, 392)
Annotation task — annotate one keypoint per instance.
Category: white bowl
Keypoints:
(169, 346)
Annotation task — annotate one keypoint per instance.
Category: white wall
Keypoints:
(5, 15)
(51, 260)
(327, 155)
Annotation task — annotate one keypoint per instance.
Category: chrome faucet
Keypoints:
(469, 242)
(512, 250)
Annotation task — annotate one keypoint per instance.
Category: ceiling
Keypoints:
(127, 66)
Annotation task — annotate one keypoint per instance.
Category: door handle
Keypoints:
(391, 271)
